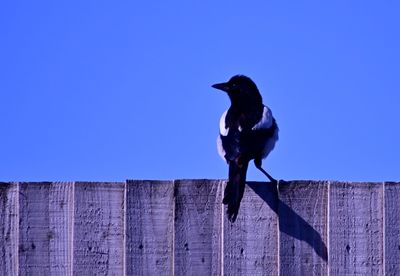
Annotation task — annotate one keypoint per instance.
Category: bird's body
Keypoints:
(257, 141)
(248, 131)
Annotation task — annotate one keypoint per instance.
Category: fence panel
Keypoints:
(392, 228)
(356, 229)
(149, 227)
(251, 243)
(9, 225)
(99, 228)
(198, 232)
(180, 228)
(303, 227)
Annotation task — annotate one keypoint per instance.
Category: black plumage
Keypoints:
(248, 131)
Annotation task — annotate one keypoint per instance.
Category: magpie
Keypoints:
(247, 131)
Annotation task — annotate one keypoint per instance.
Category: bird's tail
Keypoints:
(235, 188)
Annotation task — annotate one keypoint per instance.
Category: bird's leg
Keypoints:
(257, 163)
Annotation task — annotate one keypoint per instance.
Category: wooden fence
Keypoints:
(179, 228)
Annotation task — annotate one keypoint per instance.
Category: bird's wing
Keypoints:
(257, 140)
(223, 128)
(266, 120)
(228, 141)
(260, 141)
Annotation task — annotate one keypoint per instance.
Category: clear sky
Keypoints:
(111, 90)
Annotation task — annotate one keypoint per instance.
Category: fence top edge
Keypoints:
(197, 180)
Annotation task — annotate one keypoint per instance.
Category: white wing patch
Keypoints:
(222, 130)
(266, 120)
(220, 148)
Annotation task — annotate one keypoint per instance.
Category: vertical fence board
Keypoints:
(9, 228)
(198, 242)
(99, 228)
(392, 228)
(303, 227)
(34, 228)
(356, 229)
(45, 228)
(251, 243)
(61, 209)
(149, 227)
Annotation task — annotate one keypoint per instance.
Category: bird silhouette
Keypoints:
(247, 131)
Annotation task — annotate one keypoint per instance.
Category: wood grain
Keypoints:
(98, 228)
(392, 228)
(61, 213)
(149, 227)
(356, 229)
(9, 223)
(45, 232)
(251, 243)
(198, 239)
(303, 227)
(179, 228)
(34, 228)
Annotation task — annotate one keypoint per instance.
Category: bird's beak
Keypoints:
(221, 86)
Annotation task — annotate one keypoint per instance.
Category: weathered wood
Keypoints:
(149, 227)
(251, 243)
(392, 228)
(198, 239)
(34, 228)
(179, 228)
(45, 231)
(61, 213)
(303, 227)
(9, 224)
(98, 228)
(356, 229)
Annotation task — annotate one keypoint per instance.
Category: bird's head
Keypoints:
(240, 89)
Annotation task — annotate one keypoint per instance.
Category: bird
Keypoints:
(247, 131)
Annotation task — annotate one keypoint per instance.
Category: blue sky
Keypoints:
(110, 90)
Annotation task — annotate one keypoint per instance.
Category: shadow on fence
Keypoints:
(289, 221)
